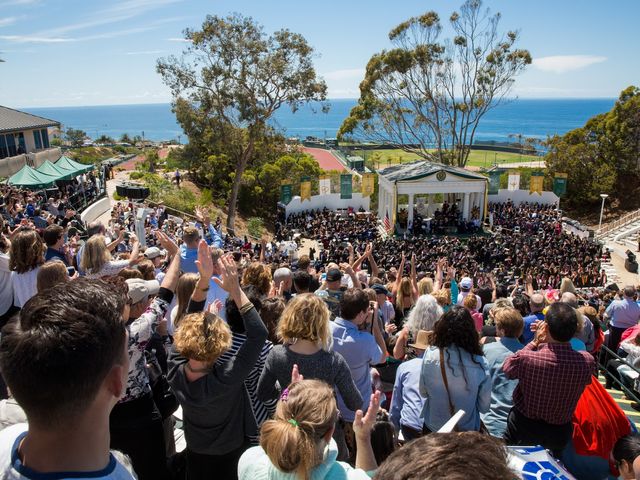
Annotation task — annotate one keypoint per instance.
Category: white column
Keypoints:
(465, 207)
(410, 216)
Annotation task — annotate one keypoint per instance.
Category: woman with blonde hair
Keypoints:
(405, 291)
(26, 255)
(306, 336)
(297, 443)
(425, 286)
(96, 259)
(423, 316)
(184, 290)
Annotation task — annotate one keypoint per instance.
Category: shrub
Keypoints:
(136, 175)
(255, 226)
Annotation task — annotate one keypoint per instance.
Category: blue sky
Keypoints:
(96, 52)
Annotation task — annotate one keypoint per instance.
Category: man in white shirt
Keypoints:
(69, 387)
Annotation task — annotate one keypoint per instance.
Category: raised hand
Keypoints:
(228, 280)
(204, 263)
(296, 376)
(363, 423)
(165, 242)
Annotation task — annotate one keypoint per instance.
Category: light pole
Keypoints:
(604, 197)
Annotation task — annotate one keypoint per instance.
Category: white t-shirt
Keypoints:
(25, 286)
(6, 284)
(11, 467)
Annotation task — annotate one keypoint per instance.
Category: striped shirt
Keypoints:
(261, 411)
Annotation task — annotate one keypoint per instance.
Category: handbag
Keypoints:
(443, 372)
(483, 429)
(163, 396)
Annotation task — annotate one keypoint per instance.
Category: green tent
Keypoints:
(49, 168)
(65, 163)
(28, 177)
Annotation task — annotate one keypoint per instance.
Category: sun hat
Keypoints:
(422, 340)
(140, 289)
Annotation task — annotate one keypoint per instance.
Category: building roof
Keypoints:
(11, 120)
(421, 168)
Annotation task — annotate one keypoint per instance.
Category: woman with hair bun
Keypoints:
(297, 443)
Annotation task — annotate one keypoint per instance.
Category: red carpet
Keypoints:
(325, 158)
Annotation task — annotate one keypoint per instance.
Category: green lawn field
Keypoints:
(477, 158)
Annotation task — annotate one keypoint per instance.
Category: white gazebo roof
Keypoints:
(421, 169)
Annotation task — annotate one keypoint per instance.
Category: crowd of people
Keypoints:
(350, 364)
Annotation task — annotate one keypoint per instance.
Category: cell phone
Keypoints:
(71, 271)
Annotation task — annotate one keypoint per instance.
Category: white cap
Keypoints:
(140, 289)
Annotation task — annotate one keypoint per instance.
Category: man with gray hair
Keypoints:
(283, 276)
(587, 335)
(536, 304)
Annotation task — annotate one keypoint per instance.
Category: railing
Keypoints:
(611, 355)
(628, 218)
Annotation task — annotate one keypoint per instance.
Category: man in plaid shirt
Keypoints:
(552, 376)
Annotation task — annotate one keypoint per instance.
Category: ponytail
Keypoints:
(289, 447)
(294, 439)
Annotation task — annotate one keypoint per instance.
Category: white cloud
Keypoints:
(4, 22)
(34, 39)
(566, 63)
(145, 52)
(9, 3)
(178, 39)
(347, 74)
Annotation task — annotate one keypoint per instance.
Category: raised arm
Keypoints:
(362, 426)
(414, 278)
(375, 271)
(400, 273)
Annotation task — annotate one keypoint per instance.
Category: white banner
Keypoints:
(325, 186)
(514, 181)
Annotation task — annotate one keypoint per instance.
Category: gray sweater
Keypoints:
(216, 408)
(329, 367)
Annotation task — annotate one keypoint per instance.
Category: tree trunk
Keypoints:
(235, 190)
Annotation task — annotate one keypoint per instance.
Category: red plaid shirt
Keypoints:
(551, 379)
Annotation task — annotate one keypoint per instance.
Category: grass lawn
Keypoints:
(477, 158)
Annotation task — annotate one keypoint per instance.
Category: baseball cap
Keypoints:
(334, 275)
(380, 289)
(140, 289)
(466, 283)
(154, 252)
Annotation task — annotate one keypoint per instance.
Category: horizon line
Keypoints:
(328, 100)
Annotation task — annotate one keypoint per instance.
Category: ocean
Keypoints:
(527, 117)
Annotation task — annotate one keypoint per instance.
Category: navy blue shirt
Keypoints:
(52, 254)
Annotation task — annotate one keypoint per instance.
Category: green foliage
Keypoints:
(136, 175)
(56, 142)
(227, 84)
(75, 137)
(125, 138)
(427, 91)
(105, 140)
(162, 190)
(603, 156)
(255, 225)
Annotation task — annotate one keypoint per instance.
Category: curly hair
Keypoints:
(147, 268)
(202, 336)
(298, 445)
(258, 275)
(306, 317)
(26, 252)
(456, 327)
(424, 314)
(443, 296)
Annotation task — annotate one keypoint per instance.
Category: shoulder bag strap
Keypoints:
(443, 371)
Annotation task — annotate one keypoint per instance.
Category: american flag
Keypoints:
(387, 222)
